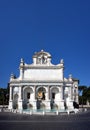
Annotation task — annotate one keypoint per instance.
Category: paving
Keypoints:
(16, 121)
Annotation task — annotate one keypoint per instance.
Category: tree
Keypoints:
(84, 94)
(4, 96)
(81, 88)
(81, 97)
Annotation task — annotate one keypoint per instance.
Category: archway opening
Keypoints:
(54, 96)
(27, 96)
(15, 101)
(40, 97)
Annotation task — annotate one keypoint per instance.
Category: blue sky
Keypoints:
(61, 27)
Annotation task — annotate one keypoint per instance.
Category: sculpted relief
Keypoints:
(42, 59)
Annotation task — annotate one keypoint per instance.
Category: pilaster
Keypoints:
(20, 101)
(10, 98)
(47, 101)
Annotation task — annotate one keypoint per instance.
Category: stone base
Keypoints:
(33, 104)
(20, 104)
(60, 104)
(70, 105)
(47, 104)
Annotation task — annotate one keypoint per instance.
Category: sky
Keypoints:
(60, 27)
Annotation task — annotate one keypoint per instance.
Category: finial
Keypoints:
(70, 77)
(42, 50)
(22, 60)
(12, 76)
(62, 61)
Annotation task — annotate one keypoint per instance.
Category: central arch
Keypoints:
(41, 96)
(40, 93)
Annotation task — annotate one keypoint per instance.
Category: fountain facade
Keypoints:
(42, 86)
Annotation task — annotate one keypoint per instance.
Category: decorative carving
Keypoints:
(42, 57)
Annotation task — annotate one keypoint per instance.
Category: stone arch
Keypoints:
(28, 93)
(15, 89)
(40, 92)
(41, 96)
(54, 93)
(38, 87)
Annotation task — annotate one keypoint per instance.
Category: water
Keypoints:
(42, 110)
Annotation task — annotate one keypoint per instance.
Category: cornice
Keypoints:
(38, 82)
(35, 81)
(42, 66)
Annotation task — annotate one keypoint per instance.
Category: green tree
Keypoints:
(4, 96)
(82, 99)
(81, 88)
(86, 94)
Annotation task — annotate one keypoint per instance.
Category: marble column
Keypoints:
(20, 93)
(20, 101)
(33, 100)
(70, 92)
(47, 93)
(60, 101)
(11, 98)
(61, 92)
(47, 101)
(34, 96)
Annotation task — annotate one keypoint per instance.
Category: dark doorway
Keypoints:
(28, 95)
(53, 95)
(43, 96)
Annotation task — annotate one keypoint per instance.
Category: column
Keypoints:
(47, 93)
(10, 98)
(76, 94)
(70, 92)
(47, 99)
(61, 92)
(33, 102)
(34, 92)
(20, 93)
(60, 102)
(20, 102)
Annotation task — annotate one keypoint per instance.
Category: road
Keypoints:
(12, 121)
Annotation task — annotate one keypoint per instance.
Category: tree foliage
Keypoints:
(84, 94)
(4, 96)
